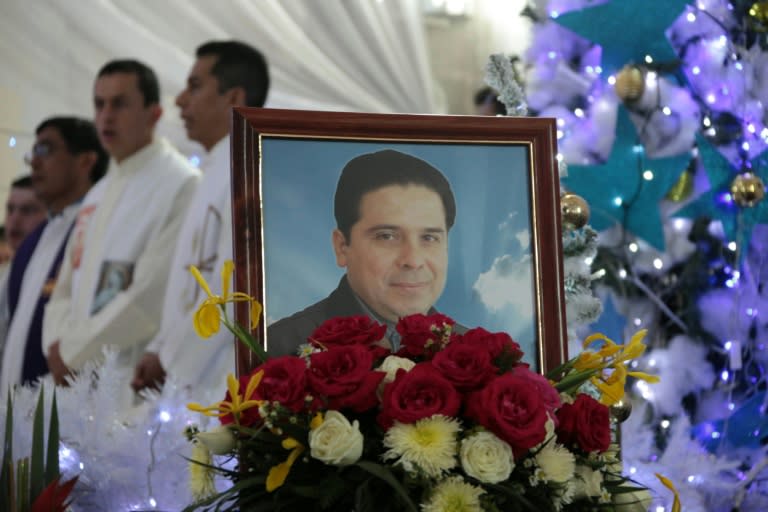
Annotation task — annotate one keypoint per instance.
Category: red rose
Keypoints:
(423, 335)
(343, 377)
(547, 391)
(419, 393)
(351, 330)
(465, 366)
(284, 381)
(584, 423)
(510, 406)
(248, 417)
(499, 344)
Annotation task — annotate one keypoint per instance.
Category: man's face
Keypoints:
(204, 111)
(124, 123)
(53, 167)
(397, 253)
(23, 213)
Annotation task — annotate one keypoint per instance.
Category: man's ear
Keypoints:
(339, 247)
(85, 162)
(156, 111)
(236, 96)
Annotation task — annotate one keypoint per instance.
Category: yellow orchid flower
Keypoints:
(207, 319)
(676, 505)
(237, 403)
(278, 473)
(612, 387)
(317, 420)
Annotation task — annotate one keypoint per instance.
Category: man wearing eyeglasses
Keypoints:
(115, 268)
(65, 161)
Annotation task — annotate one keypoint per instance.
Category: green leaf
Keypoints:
(22, 485)
(385, 474)
(37, 471)
(52, 460)
(6, 473)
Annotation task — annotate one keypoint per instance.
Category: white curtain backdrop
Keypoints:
(352, 55)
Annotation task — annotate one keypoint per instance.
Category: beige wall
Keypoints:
(459, 47)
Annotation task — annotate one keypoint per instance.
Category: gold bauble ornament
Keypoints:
(747, 189)
(574, 211)
(757, 18)
(630, 83)
(621, 410)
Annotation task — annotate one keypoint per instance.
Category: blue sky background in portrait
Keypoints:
(490, 281)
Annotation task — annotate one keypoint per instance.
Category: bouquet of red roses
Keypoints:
(449, 422)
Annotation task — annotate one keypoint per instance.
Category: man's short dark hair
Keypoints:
(80, 137)
(145, 77)
(239, 65)
(489, 96)
(372, 171)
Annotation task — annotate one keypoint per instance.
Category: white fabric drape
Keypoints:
(353, 55)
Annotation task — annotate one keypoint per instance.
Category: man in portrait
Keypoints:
(393, 213)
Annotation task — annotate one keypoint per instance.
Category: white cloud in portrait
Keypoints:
(507, 285)
(524, 238)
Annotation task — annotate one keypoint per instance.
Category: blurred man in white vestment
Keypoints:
(115, 268)
(225, 74)
(66, 160)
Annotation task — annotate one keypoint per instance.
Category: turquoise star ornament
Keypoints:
(717, 203)
(627, 30)
(627, 189)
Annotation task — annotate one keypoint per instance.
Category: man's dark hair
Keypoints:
(487, 95)
(239, 65)
(22, 182)
(80, 137)
(145, 77)
(372, 171)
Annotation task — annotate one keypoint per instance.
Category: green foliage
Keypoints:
(22, 481)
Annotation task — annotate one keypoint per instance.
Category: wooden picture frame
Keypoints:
(285, 164)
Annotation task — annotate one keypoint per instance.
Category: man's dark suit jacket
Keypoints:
(285, 335)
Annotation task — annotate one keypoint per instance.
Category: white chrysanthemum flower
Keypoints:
(556, 462)
(454, 495)
(486, 457)
(429, 444)
(200, 475)
(588, 482)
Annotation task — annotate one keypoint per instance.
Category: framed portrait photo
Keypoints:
(469, 226)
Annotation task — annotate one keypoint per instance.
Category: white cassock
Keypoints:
(115, 268)
(205, 241)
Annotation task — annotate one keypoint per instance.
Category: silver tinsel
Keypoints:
(500, 76)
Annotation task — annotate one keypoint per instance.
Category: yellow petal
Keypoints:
(278, 474)
(207, 320)
(645, 376)
(594, 337)
(226, 277)
(200, 280)
(588, 360)
(290, 443)
(316, 421)
(255, 314)
(676, 505)
(253, 384)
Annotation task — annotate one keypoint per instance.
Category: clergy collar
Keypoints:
(218, 152)
(140, 158)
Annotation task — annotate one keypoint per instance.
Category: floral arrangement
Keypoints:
(450, 422)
